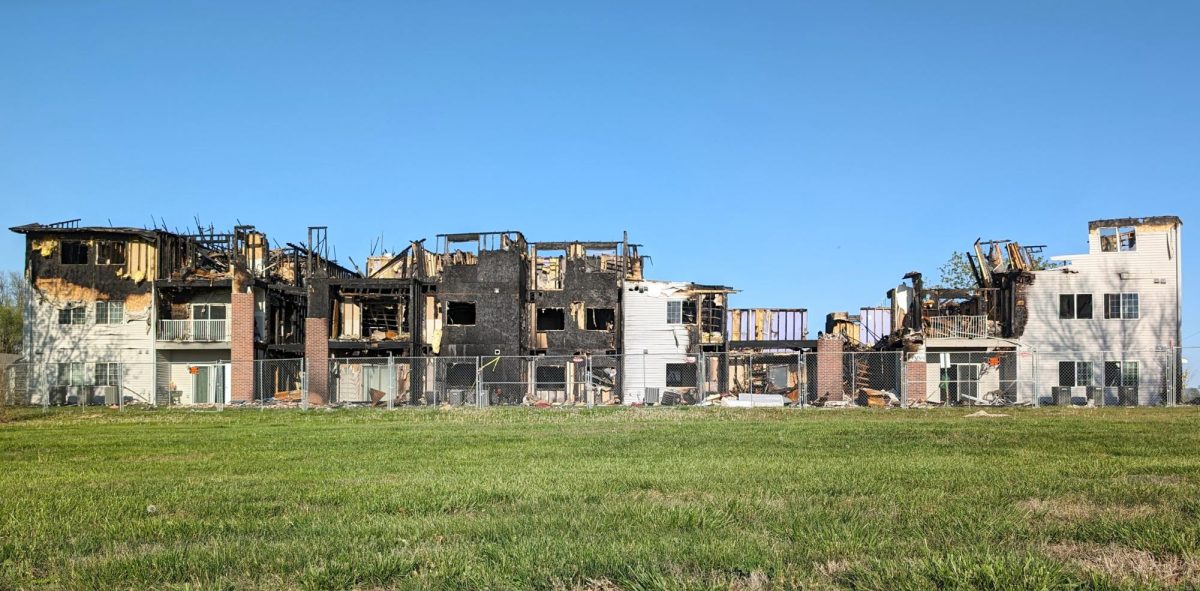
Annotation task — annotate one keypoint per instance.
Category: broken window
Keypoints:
(110, 312)
(1074, 373)
(551, 319)
(681, 375)
(69, 374)
(1075, 306)
(681, 312)
(1121, 305)
(75, 315)
(460, 313)
(110, 253)
(74, 252)
(460, 375)
(1123, 239)
(601, 319)
(108, 374)
(551, 377)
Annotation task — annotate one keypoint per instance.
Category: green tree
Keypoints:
(12, 306)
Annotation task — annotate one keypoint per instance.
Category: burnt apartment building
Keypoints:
(154, 316)
(523, 315)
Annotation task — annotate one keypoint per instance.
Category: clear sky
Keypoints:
(806, 154)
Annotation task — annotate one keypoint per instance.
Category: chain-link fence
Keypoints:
(780, 378)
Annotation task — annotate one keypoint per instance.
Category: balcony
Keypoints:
(193, 331)
(957, 327)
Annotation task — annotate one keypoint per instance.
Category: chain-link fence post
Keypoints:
(479, 402)
(1037, 386)
(304, 377)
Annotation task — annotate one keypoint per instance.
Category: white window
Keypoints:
(110, 312)
(1074, 373)
(1121, 305)
(1129, 374)
(675, 312)
(75, 315)
(1075, 306)
(1123, 239)
(1121, 373)
(108, 374)
(69, 374)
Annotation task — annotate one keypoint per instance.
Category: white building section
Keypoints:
(1120, 302)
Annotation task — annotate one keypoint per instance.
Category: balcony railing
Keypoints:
(193, 331)
(957, 327)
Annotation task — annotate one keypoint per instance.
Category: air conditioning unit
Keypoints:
(1127, 396)
(652, 396)
(1061, 395)
(108, 394)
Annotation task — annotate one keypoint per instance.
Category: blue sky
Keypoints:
(806, 154)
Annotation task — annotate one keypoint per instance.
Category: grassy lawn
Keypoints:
(605, 499)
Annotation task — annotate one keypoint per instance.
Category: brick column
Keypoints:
(316, 359)
(914, 375)
(829, 368)
(241, 345)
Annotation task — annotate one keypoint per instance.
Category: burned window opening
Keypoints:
(1122, 239)
(109, 252)
(601, 319)
(460, 313)
(681, 375)
(551, 377)
(551, 319)
(74, 252)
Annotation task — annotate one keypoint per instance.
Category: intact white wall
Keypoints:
(129, 343)
(1151, 271)
(650, 342)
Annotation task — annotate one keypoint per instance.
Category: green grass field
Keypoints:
(604, 499)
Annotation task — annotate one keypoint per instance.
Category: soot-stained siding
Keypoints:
(495, 284)
(583, 289)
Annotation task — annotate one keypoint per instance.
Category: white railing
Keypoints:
(193, 331)
(957, 327)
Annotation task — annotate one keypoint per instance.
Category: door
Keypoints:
(208, 384)
(375, 377)
(202, 384)
(968, 381)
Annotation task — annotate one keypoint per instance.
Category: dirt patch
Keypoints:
(1067, 509)
(831, 569)
(1159, 479)
(983, 414)
(1122, 563)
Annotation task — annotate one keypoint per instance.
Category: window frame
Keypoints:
(107, 317)
(674, 311)
(1119, 303)
(1116, 237)
(1076, 366)
(73, 371)
(111, 373)
(76, 315)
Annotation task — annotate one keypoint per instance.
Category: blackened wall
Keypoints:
(496, 284)
(596, 289)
